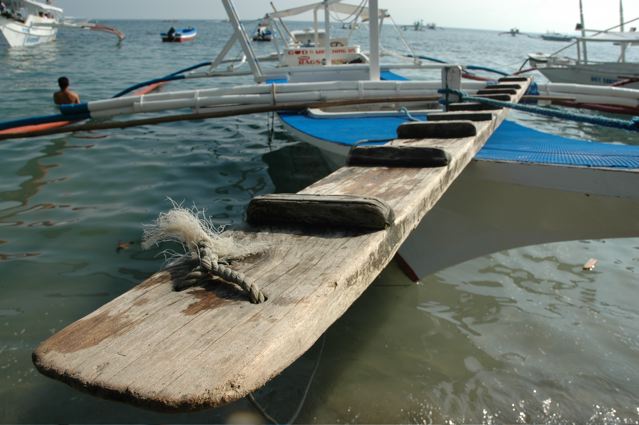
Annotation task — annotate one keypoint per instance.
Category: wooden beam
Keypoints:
(496, 91)
(496, 96)
(471, 106)
(436, 130)
(513, 79)
(397, 156)
(345, 211)
(502, 86)
(460, 116)
(207, 346)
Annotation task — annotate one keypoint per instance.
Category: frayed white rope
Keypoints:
(203, 243)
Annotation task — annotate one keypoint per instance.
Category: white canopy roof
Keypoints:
(334, 6)
(43, 6)
(613, 37)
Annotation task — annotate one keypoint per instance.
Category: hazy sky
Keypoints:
(527, 15)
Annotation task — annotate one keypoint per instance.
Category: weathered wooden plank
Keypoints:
(355, 212)
(461, 116)
(471, 106)
(436, 130)
(513, 79)
(490, 90)
(207, 345)
(394, 156)
(502, 97)
(502, 86)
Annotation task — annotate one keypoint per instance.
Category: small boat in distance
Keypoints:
(262, 34)
(263, 31)
(555, 36)
(179, 36)
(513, 31)
(417, 26)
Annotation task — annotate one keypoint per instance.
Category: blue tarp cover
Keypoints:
(511, 141)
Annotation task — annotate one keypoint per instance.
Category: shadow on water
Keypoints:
(296, 166)
(389, 361)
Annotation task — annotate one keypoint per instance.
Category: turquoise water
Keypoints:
(517, 336)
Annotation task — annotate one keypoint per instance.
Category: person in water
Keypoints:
(171, 34)
(65, 96)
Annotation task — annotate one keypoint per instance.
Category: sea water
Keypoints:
(514, 337)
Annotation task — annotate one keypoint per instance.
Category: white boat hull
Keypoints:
(599, 74)
(496, 205)
(17, 34)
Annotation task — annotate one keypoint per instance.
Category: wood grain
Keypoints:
(460, 116)
(471, 106)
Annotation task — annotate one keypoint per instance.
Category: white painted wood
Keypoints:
(494, 206)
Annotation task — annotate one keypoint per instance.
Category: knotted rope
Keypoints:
(631, 125)
(205, 246)
(209, 265)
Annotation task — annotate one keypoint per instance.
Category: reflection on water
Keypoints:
(519, 336)
(36, 171)
(28, 59)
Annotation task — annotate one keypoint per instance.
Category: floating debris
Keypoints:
(123, 245)
(590, 265)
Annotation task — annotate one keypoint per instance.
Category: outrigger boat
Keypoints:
(205, 346)
(26, 23)
(582, 69)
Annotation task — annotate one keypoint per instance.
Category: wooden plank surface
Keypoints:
(208, 345)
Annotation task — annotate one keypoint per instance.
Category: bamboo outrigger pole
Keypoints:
(583, 30)
(373, 19)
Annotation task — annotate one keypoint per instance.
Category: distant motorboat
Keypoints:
(179, 36)
(555, 36)
(513, 31)
(419, 25)
(263, 33)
